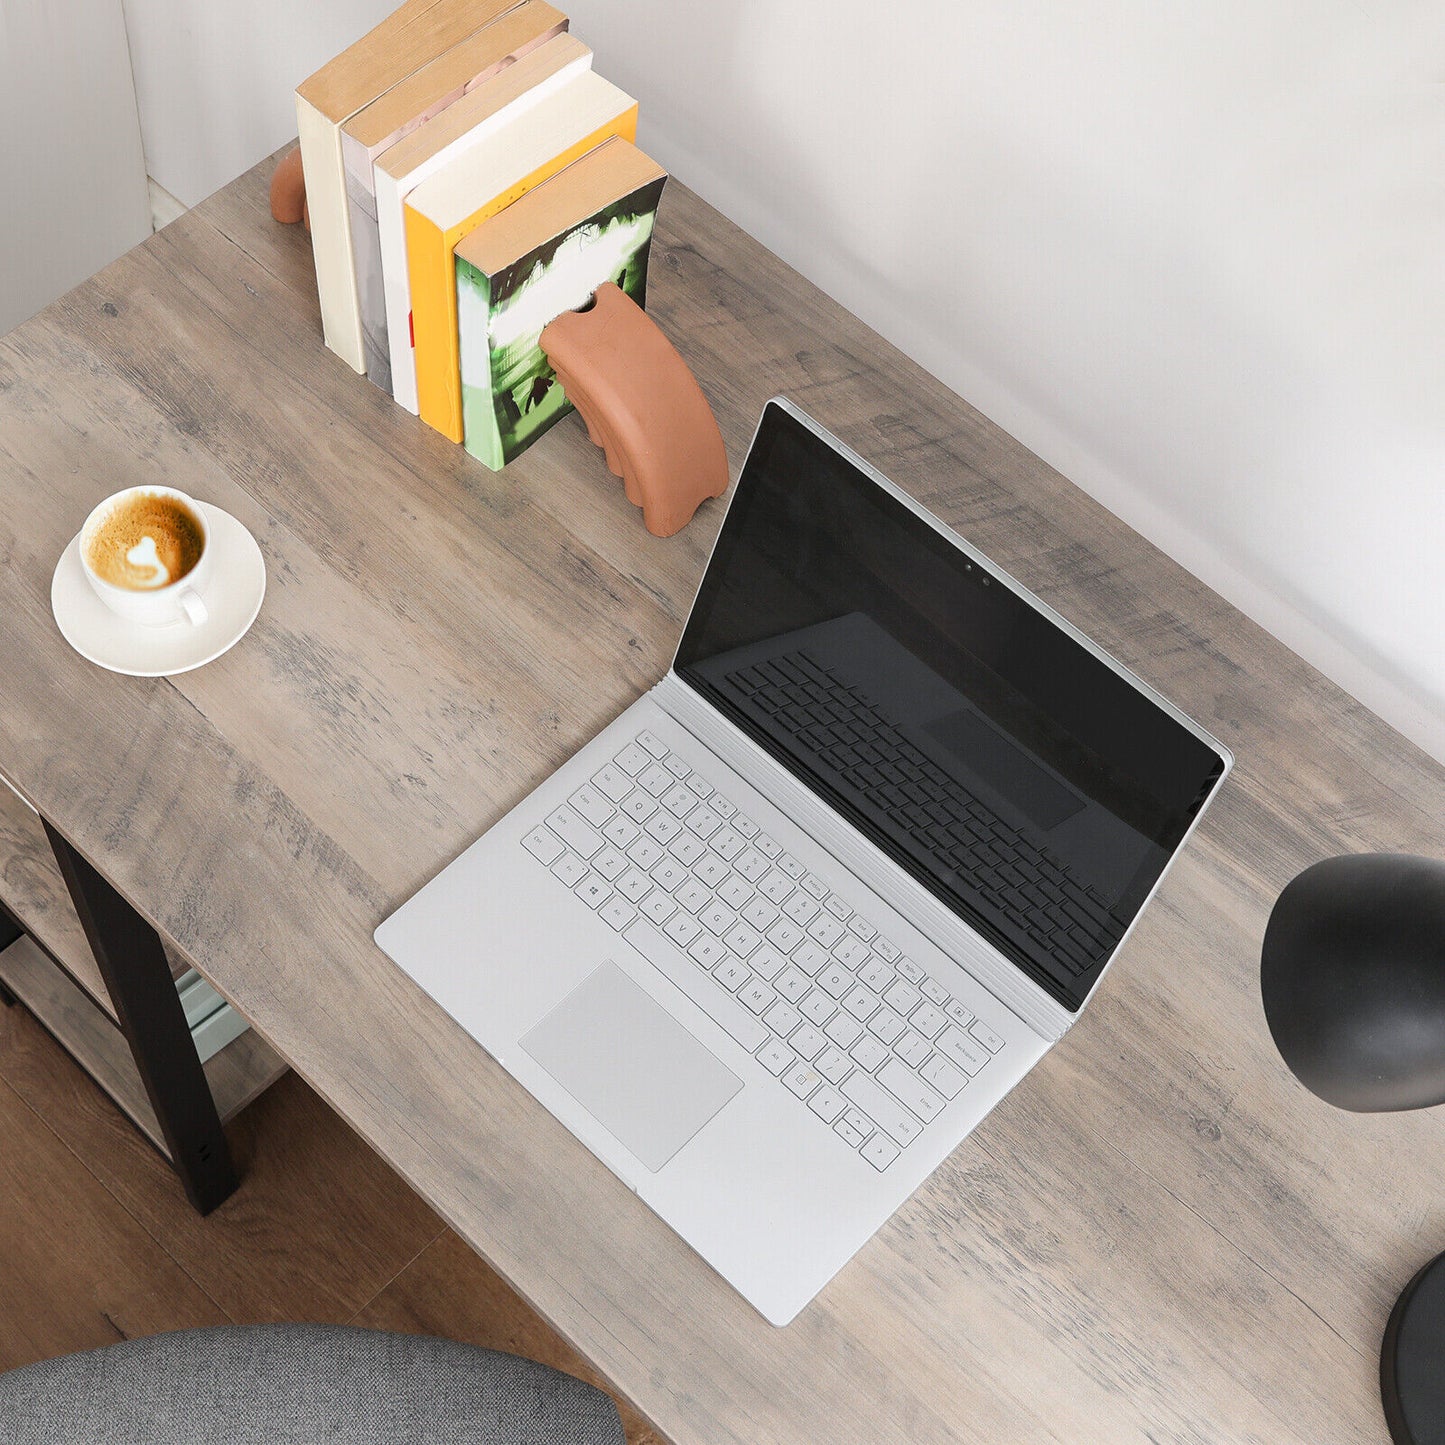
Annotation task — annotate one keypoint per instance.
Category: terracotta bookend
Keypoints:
(642, 406)
(288, 190)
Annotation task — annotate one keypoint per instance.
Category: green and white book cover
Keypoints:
(510, 394)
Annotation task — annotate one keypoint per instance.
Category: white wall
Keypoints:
(1193, 256)
(72, 182)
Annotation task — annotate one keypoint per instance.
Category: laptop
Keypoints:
(775, 941)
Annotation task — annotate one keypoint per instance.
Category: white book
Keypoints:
(466, 123)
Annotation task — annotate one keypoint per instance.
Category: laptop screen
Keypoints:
(1014, 773)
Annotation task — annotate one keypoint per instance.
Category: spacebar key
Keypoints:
(729, 1015)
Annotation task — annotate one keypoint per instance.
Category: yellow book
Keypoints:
(475, 186)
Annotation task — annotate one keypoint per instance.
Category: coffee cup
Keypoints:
(147, 555)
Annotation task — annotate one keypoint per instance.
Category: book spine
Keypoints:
(366, 261)
(480, 433)
(434, 287)
(396, 285)
(321, 164)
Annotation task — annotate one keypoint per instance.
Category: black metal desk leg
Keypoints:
(9, 932)
(133, 964)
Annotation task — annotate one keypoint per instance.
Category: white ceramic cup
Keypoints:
(178, 601)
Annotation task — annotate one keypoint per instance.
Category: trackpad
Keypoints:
(631, 1065)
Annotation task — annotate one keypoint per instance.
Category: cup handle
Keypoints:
(195, 609)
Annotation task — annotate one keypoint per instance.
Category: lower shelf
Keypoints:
(246, 1067)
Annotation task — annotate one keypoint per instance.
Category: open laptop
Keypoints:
(781, 935)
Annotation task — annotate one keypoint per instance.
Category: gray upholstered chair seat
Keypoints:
(278, 1384)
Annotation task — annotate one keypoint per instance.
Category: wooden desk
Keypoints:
(1158, 1236)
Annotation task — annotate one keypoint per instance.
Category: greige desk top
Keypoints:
(1158, 1236)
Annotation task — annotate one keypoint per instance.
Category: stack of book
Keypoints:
(470, 177)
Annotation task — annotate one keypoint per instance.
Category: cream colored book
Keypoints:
(462, 125)
(406, 40)
(399, 112)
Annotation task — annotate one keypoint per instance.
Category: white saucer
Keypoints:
(233, 598)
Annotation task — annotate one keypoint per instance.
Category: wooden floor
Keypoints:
(97, 1243)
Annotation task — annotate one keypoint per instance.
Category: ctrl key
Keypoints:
(880, 1152)
(543, 845)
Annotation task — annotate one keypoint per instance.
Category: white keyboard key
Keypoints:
(679, 801)
(580, 837)
(827, 1104)
(836, 979)
(876, 974)
(838, 909)
(745, 826)
(809, 956)
(775, 886)
(774, 1056)
(859, 1120)
(910, 970)
(943, 1076)
(868, 1053)
(732, 973)
(703, 821)
(692, 895)
(826, 930)
(964, 1051)
(889, 950)
(609, 863)
(593, 891)
(742, 939)
(667, 874)
(639, 806)
(912, 1048)
(757, 997)
(850, 951)
(849, 1132)
(656, 779)
(801, 909)
(884, 1110)
(886, 1025)
(782, 1018)
(717, 918)
(833, 1064)
(659, 907)
(815, 886)
(767, 961)
(901, 996)
(593, 804)
(687, 847)
(677, 766)
(792, 984)
(752, 865)
(960, 1015)
(880, 1152)
(680, 928)
(706, 950)
(864, 929)
(760, 914)
(734, 891)
(612, 782)
(620, 831)
(791, 867)
(543, 845)
(818, 1006)
(632, 759)
(646, 852)
(617, 912)
(802, 1080)
(935, 991)
(570, 869)
(727, 843)
(699, 785)
(663, 827)
(860, 1002)
(652, 743)
(784, 936)
(909, 1089)
(722, 1008)
(986, 1036)
(806, 1042)
(634, 885)
(844, 1029)
(927, 1019)
(767, 845)
(723, 808)
(711, 870)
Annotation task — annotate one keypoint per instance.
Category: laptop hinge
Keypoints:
(944, 929)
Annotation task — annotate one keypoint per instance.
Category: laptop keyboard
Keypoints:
(862, 1037)
(1013, 883)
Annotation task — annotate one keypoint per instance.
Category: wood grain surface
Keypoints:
(1158, 1235)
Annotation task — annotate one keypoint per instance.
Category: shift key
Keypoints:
(884, 1110)
(722, 1008)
